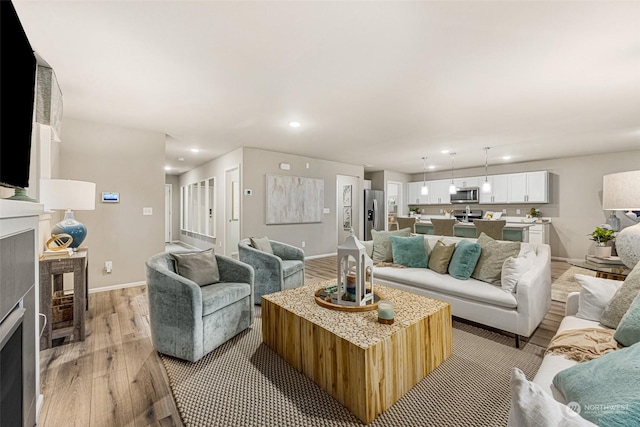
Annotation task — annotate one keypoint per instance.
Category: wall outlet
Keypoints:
(517, 211)
(220, 244)
(108, 267)
(441, 210)
(147, 211)
(326, 210)
(504, 211)
(307, 165)
(303, 244)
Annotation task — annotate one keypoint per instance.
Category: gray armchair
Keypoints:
(188, 321)
(282, 270)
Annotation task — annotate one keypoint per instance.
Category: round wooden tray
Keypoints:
(377, 296)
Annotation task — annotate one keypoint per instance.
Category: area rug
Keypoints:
(245, 383)
(565, 284)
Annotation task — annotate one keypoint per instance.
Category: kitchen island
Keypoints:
(517, 232)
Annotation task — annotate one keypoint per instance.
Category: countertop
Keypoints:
(508, 225)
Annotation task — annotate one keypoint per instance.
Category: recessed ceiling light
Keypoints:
(432, 167)
(167, 168)
(507, 157)
(294, 124)
(195, 150)
(181, 159)
(444, 151)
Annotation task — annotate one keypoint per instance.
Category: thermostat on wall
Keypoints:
(109, 197)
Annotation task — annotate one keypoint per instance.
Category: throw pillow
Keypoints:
(440, 257)
(532, 407)
(628, 332)
(261, 244)
(493, 255)
(200, 267)
(409, 251)
(514, 267)
(621, 301)
(595, 293)
(606, 388)
(382, 250)
(464, 259)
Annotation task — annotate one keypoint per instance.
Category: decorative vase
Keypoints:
(603, 251)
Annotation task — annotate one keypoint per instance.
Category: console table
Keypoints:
(604, 271)
(51, 280)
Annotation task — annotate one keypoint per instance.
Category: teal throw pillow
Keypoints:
(628, 332)
(606, 388)
(464, 259)
(409, 251)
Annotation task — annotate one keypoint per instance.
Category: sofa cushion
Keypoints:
(595, 294)
(443, 283)
(219, 295)
(628, 332)
(532, 407)
(493, 254)
(382, 251)
(440, 257)
(200, 267)
(464, 259)
(261, 244)
(621, 301)
(290, 267)
(606, 388)
(514, 267)
(409, 251)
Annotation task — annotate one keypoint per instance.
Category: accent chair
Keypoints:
(284, 269)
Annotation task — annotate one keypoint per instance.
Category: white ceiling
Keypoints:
(375, 83)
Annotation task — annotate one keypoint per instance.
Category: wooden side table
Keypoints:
(51, 280)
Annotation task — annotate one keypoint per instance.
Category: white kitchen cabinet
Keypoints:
(439, 192)
(539, 233)
(466, 182)
(414, 193)
(529, 187)
(499, 190)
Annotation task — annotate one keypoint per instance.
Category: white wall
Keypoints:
(575, 206)
(130, 162)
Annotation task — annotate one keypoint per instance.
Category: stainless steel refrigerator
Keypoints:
(373, 212)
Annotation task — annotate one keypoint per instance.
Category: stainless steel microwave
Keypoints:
(466, 195)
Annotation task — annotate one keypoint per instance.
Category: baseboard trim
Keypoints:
(558, 258)
(320, 256)
(118, 286)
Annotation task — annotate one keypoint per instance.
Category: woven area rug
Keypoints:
(565, 284)
(245, 383)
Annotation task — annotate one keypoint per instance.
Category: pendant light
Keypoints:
(452, 186)
(424, 191)
(486, 185)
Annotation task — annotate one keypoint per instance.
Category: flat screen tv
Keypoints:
(17, 89)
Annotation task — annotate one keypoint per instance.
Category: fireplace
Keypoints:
(17, 329)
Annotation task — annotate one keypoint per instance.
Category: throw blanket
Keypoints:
(583, 344)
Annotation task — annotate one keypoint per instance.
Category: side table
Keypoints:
(604, 271)
(51, 280)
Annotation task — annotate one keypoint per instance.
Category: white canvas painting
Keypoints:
(294, 200)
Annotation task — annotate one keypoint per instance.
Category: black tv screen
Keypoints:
(17, 93)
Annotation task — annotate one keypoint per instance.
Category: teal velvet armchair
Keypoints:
(282, 270)
(188, 321)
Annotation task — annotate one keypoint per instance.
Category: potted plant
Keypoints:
(535, 213)
(602, 235)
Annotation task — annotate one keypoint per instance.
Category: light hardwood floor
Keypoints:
(115, 377)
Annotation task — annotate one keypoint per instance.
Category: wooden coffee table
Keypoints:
(365, 365)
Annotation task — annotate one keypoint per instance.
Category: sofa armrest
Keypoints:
(573, 301)
(533, 292)
(286, 252)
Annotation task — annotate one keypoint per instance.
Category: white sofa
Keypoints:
(518, 312)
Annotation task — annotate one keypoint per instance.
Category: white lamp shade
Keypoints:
(62, 194)
(424, 190)
(486, 187)
(621, 191)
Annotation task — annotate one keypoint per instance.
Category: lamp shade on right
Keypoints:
(621, 191)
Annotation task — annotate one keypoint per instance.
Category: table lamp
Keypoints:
(68, 195)
(621, 192)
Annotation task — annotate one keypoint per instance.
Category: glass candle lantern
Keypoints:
(385, 312)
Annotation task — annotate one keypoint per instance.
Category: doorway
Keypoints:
(394, 201)
(167, 213)
(232, 211)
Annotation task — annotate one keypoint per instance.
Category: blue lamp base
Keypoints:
(70, 226)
